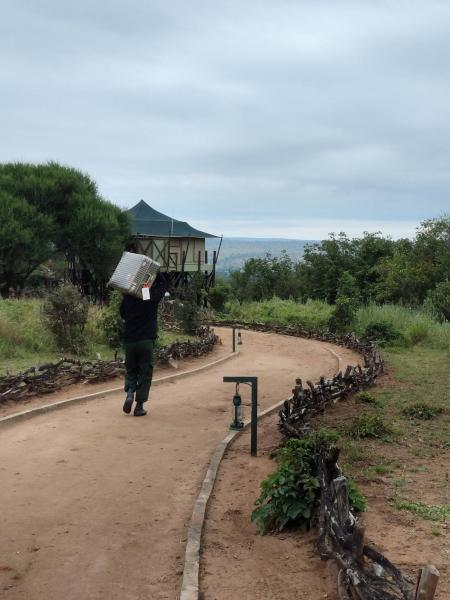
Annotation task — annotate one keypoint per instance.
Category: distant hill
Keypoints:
(235, 251)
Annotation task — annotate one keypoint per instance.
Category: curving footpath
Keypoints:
(96, 505)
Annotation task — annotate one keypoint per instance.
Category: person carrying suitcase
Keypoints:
(140, 332)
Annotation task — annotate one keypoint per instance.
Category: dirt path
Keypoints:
(95, 504)
(236, 561)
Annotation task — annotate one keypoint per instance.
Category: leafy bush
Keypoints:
(381, 333)
(437, 302)
(347, 299)
(188, 314)
(368, 426)
(291, 494)
(219, 294)
(65, 312)
(111, 323)
(343, 314)
(421, 410)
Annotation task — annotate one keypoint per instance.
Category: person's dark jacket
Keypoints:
(141, 316)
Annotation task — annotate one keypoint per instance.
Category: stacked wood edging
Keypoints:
(363, 573)
(48, 378)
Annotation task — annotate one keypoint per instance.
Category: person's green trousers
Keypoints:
(139, 363)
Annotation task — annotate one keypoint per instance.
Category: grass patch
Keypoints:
(421, 410)
(430, 512)
(25, 341)
(402, 326)
(368, 426)
(313, 314)
(368, 398)
(380, 469)
(22, 331)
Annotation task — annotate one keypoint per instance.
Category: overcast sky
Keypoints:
(257, 118)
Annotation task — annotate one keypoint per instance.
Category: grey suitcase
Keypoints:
(132, 272)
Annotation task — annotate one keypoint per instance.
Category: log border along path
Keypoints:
(46, 408)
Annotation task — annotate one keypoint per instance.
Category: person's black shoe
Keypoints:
(128, 402)
(139, 410)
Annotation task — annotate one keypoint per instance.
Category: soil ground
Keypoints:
(239, 563)
(96, 504)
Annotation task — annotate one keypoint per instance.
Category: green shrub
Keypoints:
(65, 313)
(290, 496)
(368, 426)
(437, 302)
(356, 499)
(188, 314)
(219, 294)
(421, 410)
(343, 315)
(111, 323)
(381, 333)
(347, 300)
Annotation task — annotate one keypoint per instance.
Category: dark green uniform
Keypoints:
(141, 330)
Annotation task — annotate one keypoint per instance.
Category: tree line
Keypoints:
(370, 268)
(53, 212)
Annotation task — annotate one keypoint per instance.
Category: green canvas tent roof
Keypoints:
(148, 221)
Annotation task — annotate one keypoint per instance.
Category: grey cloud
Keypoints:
(318, 110)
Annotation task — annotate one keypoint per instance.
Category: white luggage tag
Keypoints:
(145, 292)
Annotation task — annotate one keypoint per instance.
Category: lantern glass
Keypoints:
(237, 412)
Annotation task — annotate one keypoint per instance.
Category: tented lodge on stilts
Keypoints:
(177, 246)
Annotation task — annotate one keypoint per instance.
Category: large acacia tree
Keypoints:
(57, 210)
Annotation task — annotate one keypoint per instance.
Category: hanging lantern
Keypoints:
(238, 422)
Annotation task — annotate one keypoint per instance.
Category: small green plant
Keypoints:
(382, 469)
(430, 512)
(368, 426)
(291, 494)
(65, 312)
(399, 482)
(421, 410)
(356, 499)
(368, 398)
